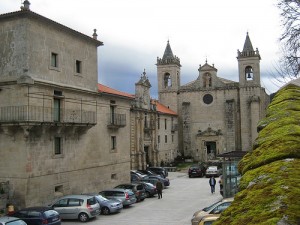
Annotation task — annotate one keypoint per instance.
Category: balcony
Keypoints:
(174, 127)
(116, 120)
(149, 125)
(46, 115)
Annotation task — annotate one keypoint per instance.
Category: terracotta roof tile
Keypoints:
(163, 109)
(105, 89)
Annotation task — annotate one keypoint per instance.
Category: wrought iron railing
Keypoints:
(117, 120)
(46, 114)
(149, 125)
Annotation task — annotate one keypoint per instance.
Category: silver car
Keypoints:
(127, 197)
(8, 220)
(81, 207)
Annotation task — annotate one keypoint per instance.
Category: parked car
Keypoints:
(148, 172)
(81, 207)
(213, 171)
(138, 173)
(159, 170)
(165, 181)
(136, 188)
(108, 206)
(209, 219)
(127, 197)
(9, 220)
(215, 208)
(196, 170)
(150, 189)
(136, 176)
(151, 181)
(38, 216)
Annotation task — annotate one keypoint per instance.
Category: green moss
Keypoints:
(267, 194)
(270, 185)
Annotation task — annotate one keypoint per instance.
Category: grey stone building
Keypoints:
(215, 115)
(60, 133)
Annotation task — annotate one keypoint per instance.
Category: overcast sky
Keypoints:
(135, 33)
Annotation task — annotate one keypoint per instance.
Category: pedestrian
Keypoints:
(159, 187)
(212, 183)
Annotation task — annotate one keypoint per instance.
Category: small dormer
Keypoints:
(207, 75)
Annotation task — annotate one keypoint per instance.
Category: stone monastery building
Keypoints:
(60, 128)
(215, 115)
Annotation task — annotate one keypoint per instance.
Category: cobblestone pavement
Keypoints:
(180, 200)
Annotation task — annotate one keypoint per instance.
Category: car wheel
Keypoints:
(147, 194)
(105, 210)
(83, 217)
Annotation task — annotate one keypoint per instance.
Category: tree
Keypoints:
(289, 65)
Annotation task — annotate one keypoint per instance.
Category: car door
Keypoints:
(61, 207)
(73, 207)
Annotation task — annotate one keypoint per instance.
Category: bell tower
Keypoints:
(249, 65)
(168, 75)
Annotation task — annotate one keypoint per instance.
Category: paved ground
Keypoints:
(179, 202)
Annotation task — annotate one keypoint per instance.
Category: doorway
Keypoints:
(211, 150)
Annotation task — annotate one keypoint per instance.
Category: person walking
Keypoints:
(159, 187)
(212, 183)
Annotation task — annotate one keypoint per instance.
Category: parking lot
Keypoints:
(180, 200)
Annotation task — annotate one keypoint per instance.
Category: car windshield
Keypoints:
(209, 208)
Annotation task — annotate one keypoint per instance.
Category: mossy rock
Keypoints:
(270, 184)
(269, 194)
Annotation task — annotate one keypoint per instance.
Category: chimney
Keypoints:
(26, 5)
(95, 34)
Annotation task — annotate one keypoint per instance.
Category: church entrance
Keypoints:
(211, 150)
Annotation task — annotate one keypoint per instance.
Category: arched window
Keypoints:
(167, 80)
(249, 73)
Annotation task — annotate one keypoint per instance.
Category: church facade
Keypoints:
(215, 115)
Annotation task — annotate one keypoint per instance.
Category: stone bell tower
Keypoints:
(168, 75)
(252, 95)
(249, 65)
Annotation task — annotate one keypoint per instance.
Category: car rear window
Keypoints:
(50, 213)
(91, 201)
(16, 222)
(33, 214)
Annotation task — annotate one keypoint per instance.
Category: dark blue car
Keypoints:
(38, 216)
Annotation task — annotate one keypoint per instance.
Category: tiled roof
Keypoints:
(105, 89)
(163, 109)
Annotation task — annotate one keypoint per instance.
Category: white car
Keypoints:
(213, 171)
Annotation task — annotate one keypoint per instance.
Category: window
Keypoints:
(208, 99)
(158, 139)
(57, 146)
(167, 80)
(78, 66)
(166, 138)
(56, 110)
(249, 73)
(172, 138)
(54, 59)
(59, 188)
(165, 124)
(113, 142)
(158, 122)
